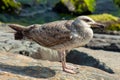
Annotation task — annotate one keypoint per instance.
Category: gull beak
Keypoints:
(97, 25)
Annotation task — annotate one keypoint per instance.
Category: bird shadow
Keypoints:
(82, 58)
(32, 71)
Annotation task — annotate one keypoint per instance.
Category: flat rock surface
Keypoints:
(105, 42)
(111, 59)
(19, 67)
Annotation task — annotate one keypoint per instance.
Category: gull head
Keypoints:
(85, 21)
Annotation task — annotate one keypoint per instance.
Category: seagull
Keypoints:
(61, 35)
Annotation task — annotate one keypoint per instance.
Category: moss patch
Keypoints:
(104, 17)
(113, 27)
(0, 23)
(112, 22)
(76, 7)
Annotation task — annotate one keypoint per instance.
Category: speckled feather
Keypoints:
(50, 34)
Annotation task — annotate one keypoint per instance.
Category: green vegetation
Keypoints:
(77, 6)
(104, 17)
(90, 5)
(83, 5)
(117, 2)
(0, 22)
(117, 13)
(9, 6)
(112, 22)
(114, 27)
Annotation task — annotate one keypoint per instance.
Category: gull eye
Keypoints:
(86, 20)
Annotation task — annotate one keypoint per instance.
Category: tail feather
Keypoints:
(19, 30)
(17, 27)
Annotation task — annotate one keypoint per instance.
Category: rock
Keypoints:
(108, 60)
(82, 58)
(76, 7)
(6, 36)
(105, 42)
(19, 67)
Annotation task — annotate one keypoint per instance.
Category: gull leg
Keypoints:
(66, 65)
(63, 61)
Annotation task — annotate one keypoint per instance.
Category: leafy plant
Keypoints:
(76, 6)
(90, 4)
(84, 5)
(9, 6)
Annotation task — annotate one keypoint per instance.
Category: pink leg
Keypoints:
(66, 68)
(66, 65)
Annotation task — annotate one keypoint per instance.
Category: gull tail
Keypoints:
(19, 30)
(17, 27)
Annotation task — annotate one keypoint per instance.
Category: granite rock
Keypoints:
(19, 67)
(105, 42)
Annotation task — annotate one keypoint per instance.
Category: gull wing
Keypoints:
(50, 34)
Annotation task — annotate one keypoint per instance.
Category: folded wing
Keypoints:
(50, 34)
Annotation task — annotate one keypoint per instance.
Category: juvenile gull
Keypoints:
(59, 35)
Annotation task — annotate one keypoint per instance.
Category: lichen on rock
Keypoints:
(112, 23)
(10, 6)
(75, 6)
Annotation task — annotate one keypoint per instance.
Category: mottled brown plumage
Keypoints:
(59, 35)
(50, 34)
